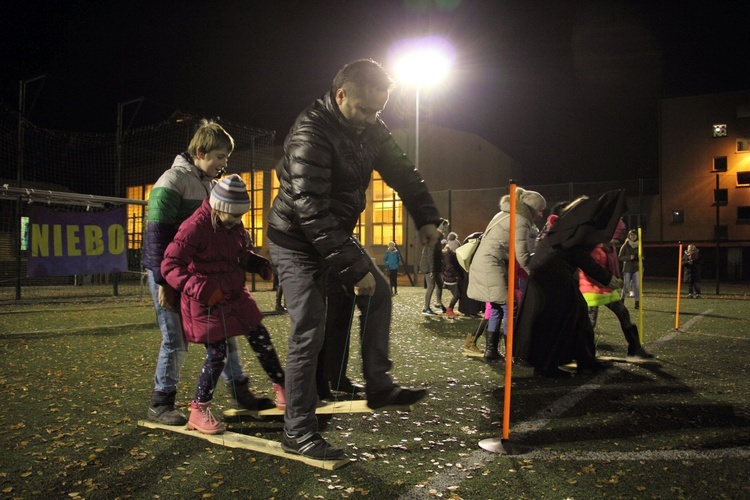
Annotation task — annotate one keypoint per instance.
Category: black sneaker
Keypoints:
(640, 355)
(440, 307)
(310, 445)
(166, 415)
(395, 396)
(590, 367)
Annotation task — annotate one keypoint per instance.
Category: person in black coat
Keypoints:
(553, 326)
(330, 154)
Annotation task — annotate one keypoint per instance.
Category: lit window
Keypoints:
(720, 130)
(359, 229)
(253, 220)
(274, 187)
(135, 217)
(387, 213)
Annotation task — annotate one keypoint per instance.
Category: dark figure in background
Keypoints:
(691, 262)
(392, 259)
(431, 265)
(630, 267)
(451, 277)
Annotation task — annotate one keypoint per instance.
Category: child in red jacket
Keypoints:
(207, 262)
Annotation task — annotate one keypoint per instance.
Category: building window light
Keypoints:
(720, 129)
(678, 216)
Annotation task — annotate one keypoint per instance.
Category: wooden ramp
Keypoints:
(235, 440)
(349, 406)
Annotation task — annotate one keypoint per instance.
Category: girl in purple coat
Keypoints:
(207, 261)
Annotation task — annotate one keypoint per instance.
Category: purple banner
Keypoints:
(67, 243)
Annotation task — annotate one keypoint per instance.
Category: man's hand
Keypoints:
(365, 286)
(166, 296)
(429, 235)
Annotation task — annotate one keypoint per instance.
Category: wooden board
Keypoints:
(348, 406)
(472, 354)
(252, 443)
(635, 361)
(618, 359)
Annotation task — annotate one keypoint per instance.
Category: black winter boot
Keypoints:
(243, 399)
(636, 352)
(491, 342)
(162, 409)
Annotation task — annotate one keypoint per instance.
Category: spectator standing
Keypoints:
(691, 262)
(392, 260)
(431, 266)
(630, 274)
(451, 277)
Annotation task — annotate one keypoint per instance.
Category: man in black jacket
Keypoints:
(329, 156)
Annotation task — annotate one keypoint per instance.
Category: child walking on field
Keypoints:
(207, 261)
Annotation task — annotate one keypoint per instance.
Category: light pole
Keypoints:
(421, 62)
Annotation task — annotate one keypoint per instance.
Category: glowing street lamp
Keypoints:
(421, 62)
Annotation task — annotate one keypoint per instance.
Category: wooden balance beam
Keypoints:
(348, 406)
(236, 440)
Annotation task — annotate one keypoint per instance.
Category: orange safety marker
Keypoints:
(502, 445)
(679, 290)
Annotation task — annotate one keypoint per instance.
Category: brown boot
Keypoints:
(470, 344)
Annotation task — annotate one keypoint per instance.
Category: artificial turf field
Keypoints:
(77, 374)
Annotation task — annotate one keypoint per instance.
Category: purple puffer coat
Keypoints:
(201, 260)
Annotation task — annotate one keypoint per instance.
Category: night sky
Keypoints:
(569, 89)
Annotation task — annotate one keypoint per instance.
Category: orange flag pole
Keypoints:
(502, 445)
(511, 304)
(679, 290)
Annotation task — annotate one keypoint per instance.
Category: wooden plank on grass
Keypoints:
(348, 406)
(473, 354)
(619, 359)
(252, 443)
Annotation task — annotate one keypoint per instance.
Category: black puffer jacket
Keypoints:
(324, 177)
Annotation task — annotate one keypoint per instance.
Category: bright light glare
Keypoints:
(423, 61)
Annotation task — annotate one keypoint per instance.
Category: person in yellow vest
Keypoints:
(597, 295)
